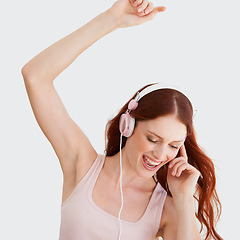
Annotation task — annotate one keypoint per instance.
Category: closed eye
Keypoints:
(150, 140)
(153, 141)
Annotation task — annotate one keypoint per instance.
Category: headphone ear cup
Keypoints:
(131, 126)
(126, 125)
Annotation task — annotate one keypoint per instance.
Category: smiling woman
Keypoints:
(156, 152)
(152, 162)
(164, 132)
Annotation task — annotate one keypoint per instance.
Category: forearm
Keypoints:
(49, 63)
(187, 228)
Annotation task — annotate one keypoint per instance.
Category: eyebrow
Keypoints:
(162, 138)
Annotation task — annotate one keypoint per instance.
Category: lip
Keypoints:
(148, 168)
(153, 159)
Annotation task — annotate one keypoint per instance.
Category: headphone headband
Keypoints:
(152, 88)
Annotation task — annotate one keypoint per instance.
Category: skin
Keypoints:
(75, 152)
(136, 178)
(145, 142)
(130, 13)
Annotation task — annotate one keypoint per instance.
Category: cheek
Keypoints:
(139, 144)
(173, 155)
(143, 145)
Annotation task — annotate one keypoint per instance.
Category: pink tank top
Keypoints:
(82, 219)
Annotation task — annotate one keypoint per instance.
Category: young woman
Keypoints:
(152, 193)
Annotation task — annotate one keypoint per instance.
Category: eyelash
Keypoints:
(150, 140)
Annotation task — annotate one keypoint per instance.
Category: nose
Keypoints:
(160, 153)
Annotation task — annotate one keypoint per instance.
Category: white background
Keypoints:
(193, 44)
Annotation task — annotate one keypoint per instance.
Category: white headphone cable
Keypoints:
(119, 214)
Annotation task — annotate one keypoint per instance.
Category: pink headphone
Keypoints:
(127, 123)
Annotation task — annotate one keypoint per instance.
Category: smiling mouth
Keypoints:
(149, 164)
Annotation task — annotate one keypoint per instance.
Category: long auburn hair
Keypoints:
(163, 102)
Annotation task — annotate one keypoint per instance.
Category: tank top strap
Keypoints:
(89, 178)
(159, 201)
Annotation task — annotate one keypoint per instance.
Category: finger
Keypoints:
(177, 166)
(151, 15)
(149, 8)
(181, 168)
(183, 152)
(160, 9)
(175, 160)
(137, 3)
(142, 6)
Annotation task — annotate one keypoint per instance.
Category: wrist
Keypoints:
(184, 201)
(114, 18)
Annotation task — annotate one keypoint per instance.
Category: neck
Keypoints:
(130, 179)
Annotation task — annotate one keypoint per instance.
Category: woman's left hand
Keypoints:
(127, 12)
(182, 177)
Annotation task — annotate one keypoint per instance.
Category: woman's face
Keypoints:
(154, 143)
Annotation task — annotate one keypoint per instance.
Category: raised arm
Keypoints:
(72, 147)
(48, 64)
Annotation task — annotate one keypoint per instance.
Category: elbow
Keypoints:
(27, 73)
(23, 72)
(26, 69)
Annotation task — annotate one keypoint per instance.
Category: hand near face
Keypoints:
(182, 177)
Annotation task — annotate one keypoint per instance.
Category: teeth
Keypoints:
(151, 162)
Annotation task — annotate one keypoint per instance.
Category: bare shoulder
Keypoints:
(169, 215)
